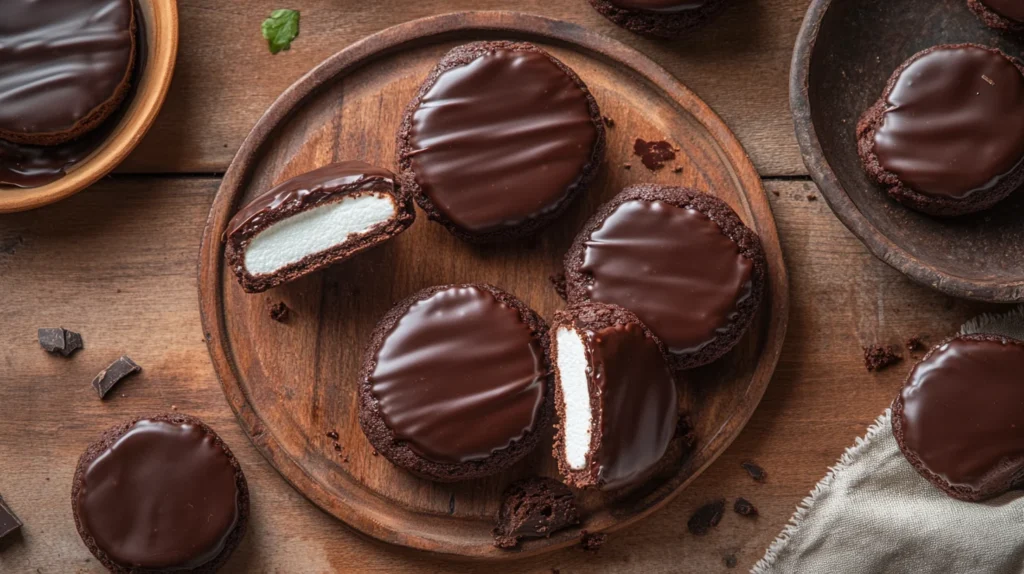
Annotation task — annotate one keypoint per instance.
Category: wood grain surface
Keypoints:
(226, 78)
(292, 384)
(117, 263)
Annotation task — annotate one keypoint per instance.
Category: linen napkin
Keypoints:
(874, 514)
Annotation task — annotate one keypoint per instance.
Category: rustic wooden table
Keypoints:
(118, 264)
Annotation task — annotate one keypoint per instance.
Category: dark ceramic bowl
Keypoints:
(846, 51)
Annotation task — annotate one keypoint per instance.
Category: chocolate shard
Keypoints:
(706, 518)
(755, 471)
(59, 341)
(109, 377)
(744, 507)
(9, 523)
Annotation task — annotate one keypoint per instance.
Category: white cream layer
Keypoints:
(316, 230)
(571, 359)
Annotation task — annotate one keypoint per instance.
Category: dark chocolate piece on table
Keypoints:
(60, 341)
(877, 357)
(279, 312)
(744, 507)
(533, 508)
(755, 471)
(654, 154)
(109, 377)
(9, 522)
(706, 517)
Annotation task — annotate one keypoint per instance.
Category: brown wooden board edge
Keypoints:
(844, 207)
(210, 279)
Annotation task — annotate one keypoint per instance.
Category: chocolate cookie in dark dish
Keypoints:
(160, 494)
(456, 382)
(534, 508)
(960, 417)
(1000, 14)
(64, 67)
(313, 221)
(658, 18)
(947, 136)
(615, 397)
(499, 140)
(681, 260)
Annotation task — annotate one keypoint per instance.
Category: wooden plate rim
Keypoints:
(843, 206)
(356, 513)
(163, 54)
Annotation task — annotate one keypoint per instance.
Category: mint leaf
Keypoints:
(280, 29)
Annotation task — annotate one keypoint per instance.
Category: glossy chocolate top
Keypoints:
(638, 402)
(501, 140)
(309, 190)
(963, 411)
(460, 376)
(954, 123)
(673, 267)
(1010, 9)
(659, 5)
(59, 61)
(163, 497)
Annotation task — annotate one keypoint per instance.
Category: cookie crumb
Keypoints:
(755, 471)
(627, 166)
(608, 121)
(592, 541)
(915, 344)
(677, 169)
(279, 312)
(877, 357)
(744, 507)
(706, 517)
(812, 197)
(333, 435)
(730, 561)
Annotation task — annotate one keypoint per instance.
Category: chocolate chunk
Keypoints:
(877, 357)
(60, 341)
(706, 517)
(653, 154)
(608, 121)
(333, 435)
(755, 471)
(533, 508)
(9, 523)
(279, 312)
(592, 541)
(113, 374)
(744, 507)
(812, 197)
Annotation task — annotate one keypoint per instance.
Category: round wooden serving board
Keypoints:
(844, 56)
(292, 383)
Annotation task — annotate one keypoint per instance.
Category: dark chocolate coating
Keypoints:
(681, 260)
(947, 136)
(665, 19)
(499, 140)
(64, 66)
(160, 494)
(321, 186)
(999, 19)
(535, 507)
(959, 419)
(633, 397)
(456, 382)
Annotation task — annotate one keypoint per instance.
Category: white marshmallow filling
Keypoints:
(577, 422)
(316, 230)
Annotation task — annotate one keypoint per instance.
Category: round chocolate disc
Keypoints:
(961, 414)
(502, 139)
(954, 122)
(163, 496)
(61, 61)
(460, 376)
(674, 267)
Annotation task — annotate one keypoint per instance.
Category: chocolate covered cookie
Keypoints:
(947, 136)
(160, 494)
(615, 397)
(65, 67)
(313, 221)
(456, 382)
(499, 140)
(658, 18)
(1000, 14)
(959, 419)
(681, 260)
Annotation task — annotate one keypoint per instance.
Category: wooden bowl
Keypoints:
(844, 55)
(292, 383)
(161, 48)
